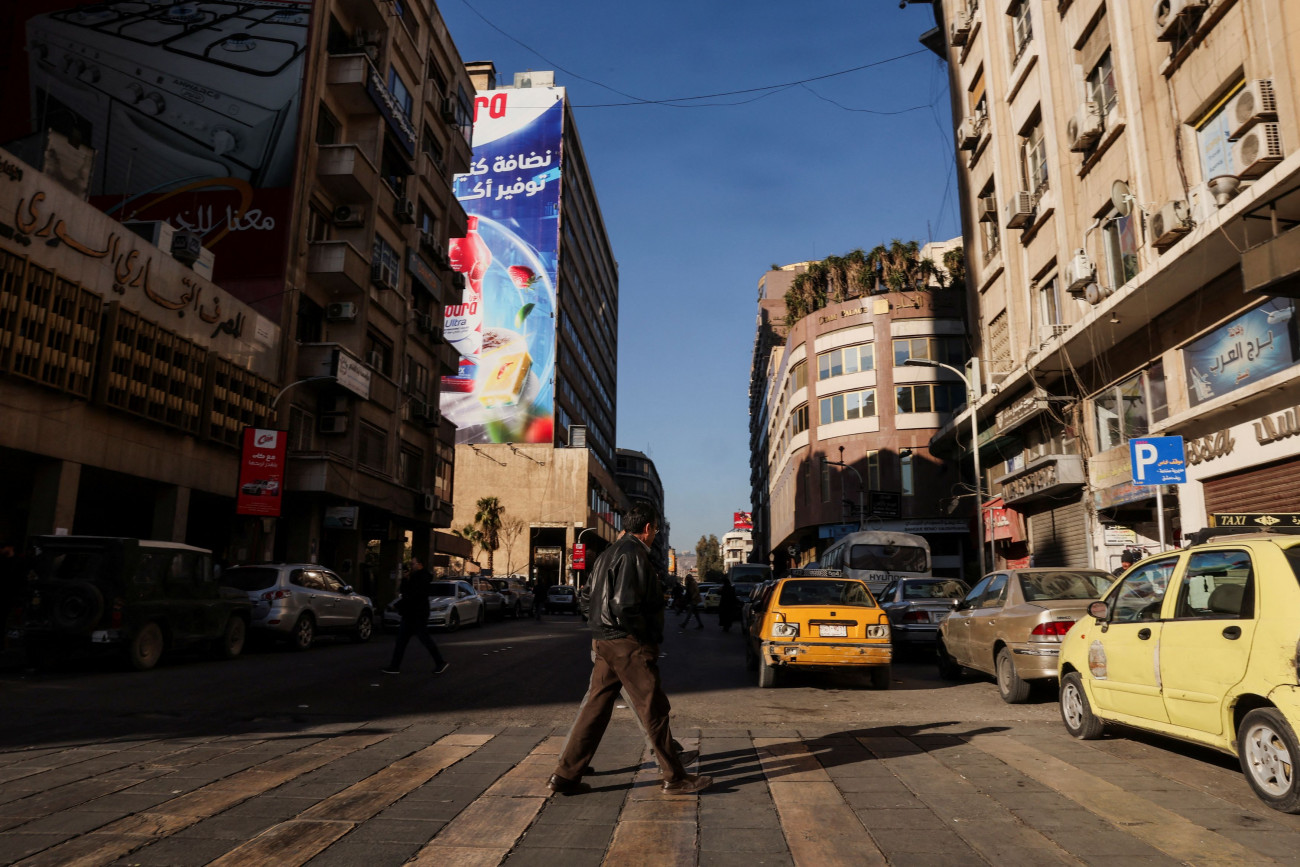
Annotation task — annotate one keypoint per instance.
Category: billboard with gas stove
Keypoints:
(505, 324)
(191, 109)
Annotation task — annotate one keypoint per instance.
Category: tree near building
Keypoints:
(511, 530)
(708, 559)
(488, 520)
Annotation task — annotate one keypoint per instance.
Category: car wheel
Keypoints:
(365, 628)
(1012, 689)
(146, 647)
(949, 669)
(304, 633)
(232, 638)
(482, 617)
(1076, 712)
(766, 674)
(453, 620)
(881, 676)
(1267, 748)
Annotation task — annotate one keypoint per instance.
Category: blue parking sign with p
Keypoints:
(1158, 461)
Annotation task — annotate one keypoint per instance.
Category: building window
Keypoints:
(400, 93)
(1022, 31)
(302, 430)
(799, 419)
(1101, 85)
(930, 397)
(849, 359)
(410, 467)
(371, 447)
(1033, 158)
(990, 236)
(872, 475)
(434, 74)
(310, 324)
(386, 267)
(798, 377)
(319, 224)
(417, 378)
(431, 146)
(379, 353)
(979, 100)
(1128, 409)
(1120, 237)
(1212, 137)
(847, 406)
(906, 477)
(393, 167)
(1049, 309)
(328, 128)
(949, 350)
(826, 482)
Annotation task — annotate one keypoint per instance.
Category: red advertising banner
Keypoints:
(579, 556)
(742, 520)
(261, 472)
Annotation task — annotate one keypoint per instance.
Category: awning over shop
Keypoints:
(449, 543)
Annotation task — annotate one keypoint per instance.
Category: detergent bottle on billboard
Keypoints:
(463, 323)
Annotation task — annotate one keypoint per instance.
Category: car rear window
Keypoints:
(1039, 586)
(250, 578)
(825, 592)
(561, 590)
(892, 558)
(77, 565)
(949, 588)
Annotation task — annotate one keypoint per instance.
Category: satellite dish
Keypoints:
(1121, 198)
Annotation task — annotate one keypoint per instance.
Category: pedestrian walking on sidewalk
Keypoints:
(413, 606)
(627, 624)
(691, 603)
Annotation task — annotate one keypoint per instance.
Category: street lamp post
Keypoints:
(974, 446)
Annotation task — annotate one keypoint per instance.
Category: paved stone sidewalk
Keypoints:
(327, 795)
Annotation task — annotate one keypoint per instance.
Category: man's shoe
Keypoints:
(389, 671)
(560, 786)
(441, 667)
(687, 785)
(687, 757)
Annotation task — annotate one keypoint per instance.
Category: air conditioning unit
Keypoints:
(1201, 204)
(424, 322)
(348, 216)
(1255, 102)
(968, 133)
(1079, 272)
(341, 311)
(1258, 150)
(429, 241)
(1020, 210)
(1084, 129)
(449, 110)
(577, 436)
(426, 501)
(961, 26)
(986, 209)
(383, 275)
(405, 211)
(1169, 223)
(186, 247)
(417, 409)
(1171, 15)
(375, 359)
(428, 414)
(333, 424)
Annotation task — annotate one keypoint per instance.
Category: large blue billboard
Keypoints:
(504, 328)
(1242, 352)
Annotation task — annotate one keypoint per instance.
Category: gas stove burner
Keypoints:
(239, 42)
(185, 12)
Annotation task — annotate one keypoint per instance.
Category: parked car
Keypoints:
(140, 596)
(262, 487)
(709, 597)
(452, 601)
(298, 601)
(916, 607)
(519, 599)
(494, 601)
(1011, 625)
(818, 618)
(747, 604)
(561, 597)
(1199, 644)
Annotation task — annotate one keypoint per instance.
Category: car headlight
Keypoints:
(785, 630)
(880, 630)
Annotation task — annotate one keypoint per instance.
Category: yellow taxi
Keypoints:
(817, 618)
(1199, 644)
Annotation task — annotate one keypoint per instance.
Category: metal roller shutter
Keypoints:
(1272, 487)
(1060, 536)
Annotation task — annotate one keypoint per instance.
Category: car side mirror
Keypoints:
(1099, 610)
(347, 588)
(956, 603)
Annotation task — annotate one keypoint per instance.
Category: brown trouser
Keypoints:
(623, 663)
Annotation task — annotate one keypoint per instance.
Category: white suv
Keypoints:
(300, 600)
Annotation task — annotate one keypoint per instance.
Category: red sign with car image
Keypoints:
(261, 472)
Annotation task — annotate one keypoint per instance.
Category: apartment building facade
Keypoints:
(1126, 178)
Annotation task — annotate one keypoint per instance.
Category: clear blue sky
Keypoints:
(702, 196)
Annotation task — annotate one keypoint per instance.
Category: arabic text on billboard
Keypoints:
(1242, 352)
(504, 327)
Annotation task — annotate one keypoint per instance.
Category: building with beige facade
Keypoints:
(1127, 175)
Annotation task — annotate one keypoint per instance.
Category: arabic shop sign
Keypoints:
(392, 111)
(1247, 349)
(1044, 477)
(352, 374)
(1021, 410)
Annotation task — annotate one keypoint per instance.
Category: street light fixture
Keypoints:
(974, 446)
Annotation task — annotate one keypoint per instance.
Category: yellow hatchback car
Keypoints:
(817, 618)
(1199, 644)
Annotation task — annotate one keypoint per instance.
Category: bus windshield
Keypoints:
(889, 558)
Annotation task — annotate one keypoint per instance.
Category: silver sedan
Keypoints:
(451, 603)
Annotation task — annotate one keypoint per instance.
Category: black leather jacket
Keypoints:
(626, 598)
